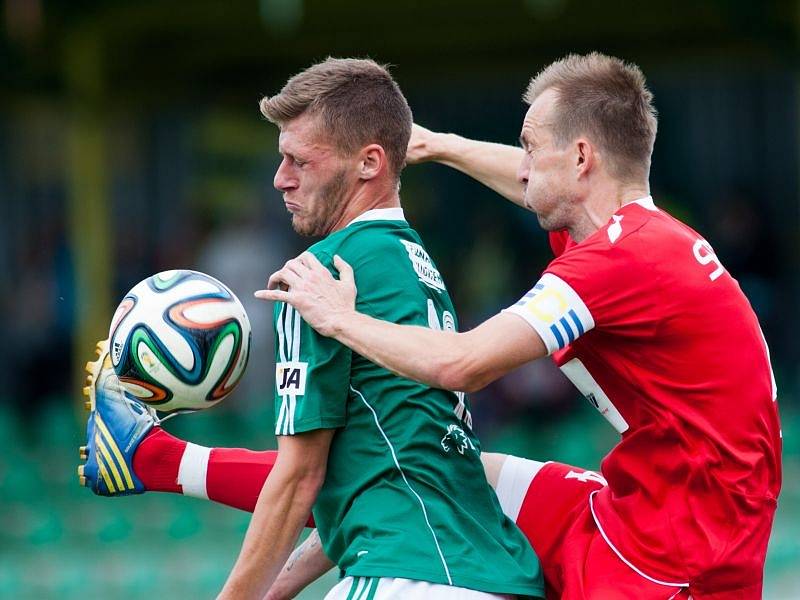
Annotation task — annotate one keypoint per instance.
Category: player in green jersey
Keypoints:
(391, 467)
(403, 453)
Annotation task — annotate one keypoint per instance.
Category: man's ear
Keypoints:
(372, 161)
(585, 157)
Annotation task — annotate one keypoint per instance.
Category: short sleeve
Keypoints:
(312, 375)
(611, 287)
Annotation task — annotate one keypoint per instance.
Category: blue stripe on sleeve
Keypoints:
(557, 335)
(568, 329)
(576, 320)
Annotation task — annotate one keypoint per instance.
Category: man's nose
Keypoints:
(523, 170)
(283, 180)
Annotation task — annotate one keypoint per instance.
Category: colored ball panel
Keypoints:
(180, 340)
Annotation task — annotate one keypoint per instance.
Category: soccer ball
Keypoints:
(179, 340)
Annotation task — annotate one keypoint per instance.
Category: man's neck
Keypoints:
(365, 199)
(598, 209)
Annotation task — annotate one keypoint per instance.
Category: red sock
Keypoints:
(157, 460)
(230, 476)
(235, 476)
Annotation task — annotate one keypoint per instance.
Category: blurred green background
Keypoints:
(131, 142)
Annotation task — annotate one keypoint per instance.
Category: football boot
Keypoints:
(116, 426)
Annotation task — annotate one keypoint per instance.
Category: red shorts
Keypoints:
(550, 503)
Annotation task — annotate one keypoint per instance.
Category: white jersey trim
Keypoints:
(555, 311)
(646, 202)
(582, 379)
(380, 214)
(769, 364)
(408, 485)
(619, 554)
(288, 353)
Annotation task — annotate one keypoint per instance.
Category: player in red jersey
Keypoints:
(640, 314)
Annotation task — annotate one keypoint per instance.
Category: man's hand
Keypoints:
(306, 564)
(494, 165)
(323, 301)
(424, 145)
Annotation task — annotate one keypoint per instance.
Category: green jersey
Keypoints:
(405, 493)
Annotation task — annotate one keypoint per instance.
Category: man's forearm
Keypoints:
(415, 352)
(494, 165)
(444, 359)
(306, 564)
(280, 514)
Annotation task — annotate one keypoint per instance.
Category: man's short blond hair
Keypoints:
(606, 100)
(358, 103)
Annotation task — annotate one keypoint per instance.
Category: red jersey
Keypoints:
(651, 328)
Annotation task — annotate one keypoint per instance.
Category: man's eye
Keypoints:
(300, 163)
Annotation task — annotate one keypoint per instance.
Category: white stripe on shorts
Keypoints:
(513, 483)
(392, 588)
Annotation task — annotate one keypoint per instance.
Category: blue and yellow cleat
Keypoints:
(116, 425)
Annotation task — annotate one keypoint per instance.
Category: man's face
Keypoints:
(314, 177)
(546, 171)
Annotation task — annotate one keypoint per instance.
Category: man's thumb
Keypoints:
(345, 270)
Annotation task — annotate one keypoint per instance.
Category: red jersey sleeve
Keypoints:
(615, 282)
(603, 283)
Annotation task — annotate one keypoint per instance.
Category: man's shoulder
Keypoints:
(386, 241)
(634, 236)
(359, 237)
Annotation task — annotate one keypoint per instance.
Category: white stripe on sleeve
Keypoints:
(282, 356)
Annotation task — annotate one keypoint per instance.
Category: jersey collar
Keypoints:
(646, 202)
(380, 214)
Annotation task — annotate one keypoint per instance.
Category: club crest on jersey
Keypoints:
(423, 266)
(290, 378)
(456, 439)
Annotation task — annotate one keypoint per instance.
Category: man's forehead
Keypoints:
(302, 132)
(538, 116)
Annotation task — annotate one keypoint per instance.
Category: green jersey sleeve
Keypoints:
(312, 375)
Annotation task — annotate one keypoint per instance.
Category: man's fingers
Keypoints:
(284, 277)
(311, 262)
(273, 295)
(345, 270)
(299, 265)
(275, 281)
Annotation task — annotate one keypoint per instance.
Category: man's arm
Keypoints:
(306, 564)
(443, 359)
(280, 513)
(494, 165)
(448, 360)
